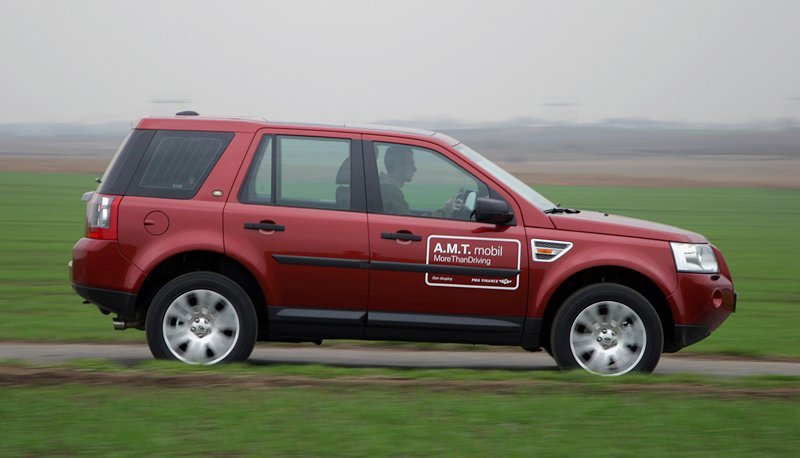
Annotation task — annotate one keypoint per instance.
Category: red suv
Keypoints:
(212, 234)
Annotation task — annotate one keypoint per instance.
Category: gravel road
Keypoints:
(264, 354)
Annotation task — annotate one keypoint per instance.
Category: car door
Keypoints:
(298, 221)
(435, 274)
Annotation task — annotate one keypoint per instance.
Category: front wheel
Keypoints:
(607, 329)
(201, 318)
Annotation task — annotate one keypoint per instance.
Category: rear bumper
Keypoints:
(109, 301)
(101, 275)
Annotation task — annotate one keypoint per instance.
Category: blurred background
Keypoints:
(682, 112)
(618, 92)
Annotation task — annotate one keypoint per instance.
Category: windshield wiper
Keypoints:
(558, 209)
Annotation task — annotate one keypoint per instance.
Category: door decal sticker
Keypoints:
(475, 252)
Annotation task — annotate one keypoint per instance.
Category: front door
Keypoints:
(435, 273)
(299, 222)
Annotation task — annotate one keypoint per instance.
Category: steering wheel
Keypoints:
(464, 213)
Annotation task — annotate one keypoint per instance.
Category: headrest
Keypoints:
(343, 175)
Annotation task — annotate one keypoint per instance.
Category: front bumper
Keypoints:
(687, 334)
(700, 304)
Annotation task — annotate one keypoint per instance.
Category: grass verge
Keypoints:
(42, 217)
(321, 412)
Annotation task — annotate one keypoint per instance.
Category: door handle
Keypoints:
(265, 227)
(401, 236)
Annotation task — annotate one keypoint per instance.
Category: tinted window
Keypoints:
(119, 173)
(177, 163)
(309, 172)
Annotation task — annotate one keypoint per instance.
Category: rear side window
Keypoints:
(311, 172)
(307, 171)
(176, 163)
(258, 184)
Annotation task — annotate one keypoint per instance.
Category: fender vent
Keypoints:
(548, 250)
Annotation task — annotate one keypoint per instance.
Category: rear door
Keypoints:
(435, 274)
(299, 221)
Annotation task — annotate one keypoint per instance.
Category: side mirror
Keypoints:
(492, 211)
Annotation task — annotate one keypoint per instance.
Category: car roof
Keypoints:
(254, 124)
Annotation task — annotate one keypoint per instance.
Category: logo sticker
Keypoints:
(479, 262)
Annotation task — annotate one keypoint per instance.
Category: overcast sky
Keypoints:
(701, 61)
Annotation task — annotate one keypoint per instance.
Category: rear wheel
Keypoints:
(201, 318)
(607, 329)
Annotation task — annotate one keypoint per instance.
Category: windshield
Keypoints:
(515, 183)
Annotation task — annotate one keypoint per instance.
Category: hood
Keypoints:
(602, 223)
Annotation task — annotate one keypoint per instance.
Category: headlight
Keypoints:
(690, 257)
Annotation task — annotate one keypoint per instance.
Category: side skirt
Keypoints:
(294, 323)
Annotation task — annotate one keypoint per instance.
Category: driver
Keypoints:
(400, 169)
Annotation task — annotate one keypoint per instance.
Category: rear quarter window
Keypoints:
(121, 169)
(176, 163)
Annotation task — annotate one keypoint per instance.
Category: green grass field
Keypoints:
(41, 217)
(159, 408)
(341, 420)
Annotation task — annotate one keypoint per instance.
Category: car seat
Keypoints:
(343, 180)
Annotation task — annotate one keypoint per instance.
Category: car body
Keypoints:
(211, 234)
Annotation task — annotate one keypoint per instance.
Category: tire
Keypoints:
(607, 329)
(201, 318)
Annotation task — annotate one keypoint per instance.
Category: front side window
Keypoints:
(419, 182)
(311, 172)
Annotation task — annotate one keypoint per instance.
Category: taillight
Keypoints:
(101, 216)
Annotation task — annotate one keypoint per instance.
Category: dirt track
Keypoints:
(21, 376)
(59, 163)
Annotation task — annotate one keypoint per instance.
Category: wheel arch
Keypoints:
(610, 274)
(196, 261)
